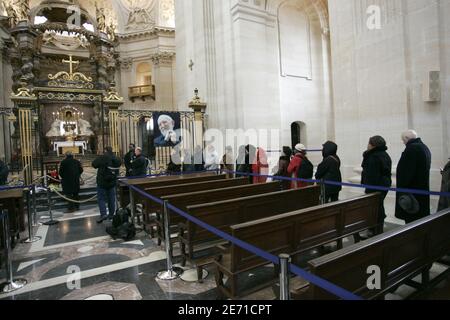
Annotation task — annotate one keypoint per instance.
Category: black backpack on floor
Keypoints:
(122, 226)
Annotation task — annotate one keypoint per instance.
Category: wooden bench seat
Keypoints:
(148, 182)
(401, 255)
(182, 201)
(151, 207)
(224, 214)
(293, 233)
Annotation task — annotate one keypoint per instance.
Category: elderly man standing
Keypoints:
(413, 172)
(70, 172)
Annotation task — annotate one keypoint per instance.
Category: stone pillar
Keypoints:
(163, 73)
(199, 108)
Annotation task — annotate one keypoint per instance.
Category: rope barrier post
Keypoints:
(35, 224)
(171, 273)
(31, 237)
(322, 192)
(285, 259)
(51, 222)
(133, 208)
(11, 284)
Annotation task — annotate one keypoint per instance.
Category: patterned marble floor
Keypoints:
(77, 260)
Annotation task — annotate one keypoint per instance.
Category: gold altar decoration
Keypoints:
(64, 79)
(113, 96)
(23, 94)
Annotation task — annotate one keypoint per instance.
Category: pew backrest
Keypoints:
(224, 214)
(399, 254)
(299, 231)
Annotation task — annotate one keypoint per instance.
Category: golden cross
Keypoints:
(71, 63)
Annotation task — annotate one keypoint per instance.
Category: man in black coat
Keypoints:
(413, 172)
(377, 171)
(138, 164)
(4, 172)
(108, 166)
(128, 158)
(444, 202)
(70, 171)
(330, 170)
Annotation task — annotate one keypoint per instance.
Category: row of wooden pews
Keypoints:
(400, 255)
(288, 222)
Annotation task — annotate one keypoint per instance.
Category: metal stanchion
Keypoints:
(285, 259)
(133, 208)
(172, 272)
(51, 222)
(31, 238)
(34, 190)
(322, 192)
(11, 284)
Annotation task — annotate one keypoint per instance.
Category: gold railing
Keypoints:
(141, 92)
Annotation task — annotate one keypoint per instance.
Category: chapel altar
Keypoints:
(69, 131)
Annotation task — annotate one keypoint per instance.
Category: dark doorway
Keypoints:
(298, 133)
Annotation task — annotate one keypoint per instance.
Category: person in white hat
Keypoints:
(300, 159)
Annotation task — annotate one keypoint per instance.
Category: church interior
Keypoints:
(212, 108)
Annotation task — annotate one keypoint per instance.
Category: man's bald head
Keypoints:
(409, 135)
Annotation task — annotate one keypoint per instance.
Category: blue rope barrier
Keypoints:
(326, 285)
(15, 188)
(361, 186)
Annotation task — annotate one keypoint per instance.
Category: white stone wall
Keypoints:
(378, 76)
(234, 46)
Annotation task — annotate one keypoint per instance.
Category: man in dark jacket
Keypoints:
(444, 202)
(377, 171)
(413, 172)
(329, 170)
(70, 171)
(108, 166)
(128, 158)
(4, 172)
(138, 164)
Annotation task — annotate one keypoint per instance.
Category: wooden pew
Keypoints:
(293, 233)
(151, 207)
(162, 182)
(182, 201)
(224, 214)
(159, 192)
(401, 254)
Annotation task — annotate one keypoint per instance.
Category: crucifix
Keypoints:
(71, 63)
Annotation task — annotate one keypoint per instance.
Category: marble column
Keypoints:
(163, 73)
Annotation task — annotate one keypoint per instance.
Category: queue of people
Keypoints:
(413, 172)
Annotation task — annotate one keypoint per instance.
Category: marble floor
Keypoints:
(77, 260)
